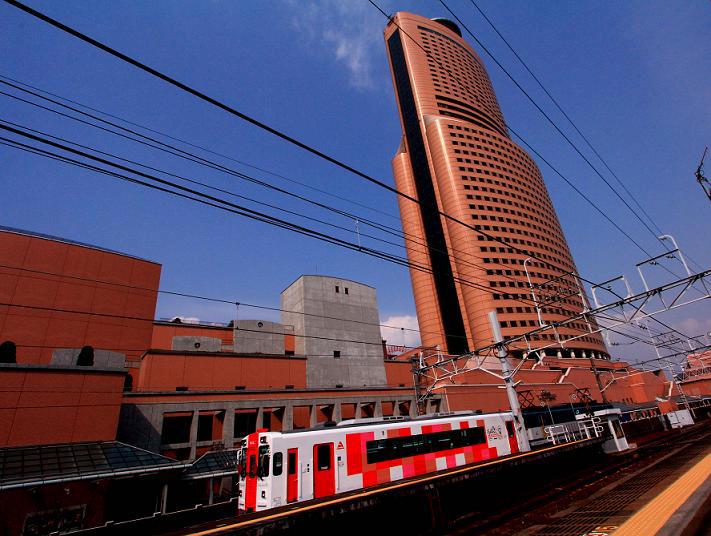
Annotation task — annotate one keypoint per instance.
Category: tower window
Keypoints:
(345, 289)
(337, 354)
(337, 289)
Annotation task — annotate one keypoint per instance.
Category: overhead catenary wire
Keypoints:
(407, 237)
(215, 202)
(146, 175)
(206, 149)
(233, 111)
(550, 120)
(566, 115)
(212, 165)
(227, 108)
(577, 129)
(518, 135)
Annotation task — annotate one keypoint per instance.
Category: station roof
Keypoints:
(22, 467)
(53, 238)
(212, 464)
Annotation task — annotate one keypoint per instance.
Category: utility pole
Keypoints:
(703, 181)
(502, 354)
(599, 381)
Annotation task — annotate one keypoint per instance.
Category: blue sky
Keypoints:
(633, 75)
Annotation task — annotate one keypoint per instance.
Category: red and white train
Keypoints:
(278, 468)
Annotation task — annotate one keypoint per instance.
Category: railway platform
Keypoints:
(667, 492)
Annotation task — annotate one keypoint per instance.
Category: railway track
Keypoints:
(585, 500)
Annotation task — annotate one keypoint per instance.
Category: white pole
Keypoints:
(508, 381)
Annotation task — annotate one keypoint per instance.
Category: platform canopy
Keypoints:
(22, 467)
(215, 463)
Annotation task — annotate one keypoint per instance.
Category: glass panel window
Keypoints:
(323, 456)
(278, 463)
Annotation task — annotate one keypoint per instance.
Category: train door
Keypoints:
(324, 470)
(292, 475)
(250, 471)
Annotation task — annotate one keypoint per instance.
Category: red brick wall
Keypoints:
(46, 406)
(109, 315)
(165, 372)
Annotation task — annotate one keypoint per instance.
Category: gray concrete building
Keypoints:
(259, 337)
(336, 326)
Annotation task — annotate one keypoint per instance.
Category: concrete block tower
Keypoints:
(336, 327)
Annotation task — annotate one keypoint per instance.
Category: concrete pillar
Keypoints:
(357, 411)
(378, 409)
(313, 415)
(413, 409)
(210, 497)
(336, 417)
(228, 428)
(156, 429)
(260, 417)
(164, 499)
(193, 434)
(288, 422)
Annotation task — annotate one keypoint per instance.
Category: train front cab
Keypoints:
(271, 476)
(254, 465)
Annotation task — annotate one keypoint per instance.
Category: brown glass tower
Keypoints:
(457, 157)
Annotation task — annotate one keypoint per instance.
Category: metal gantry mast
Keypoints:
(431, 373)
(702, 180)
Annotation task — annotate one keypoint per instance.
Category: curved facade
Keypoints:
(457, 157)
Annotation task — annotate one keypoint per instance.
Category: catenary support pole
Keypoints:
(508, 381)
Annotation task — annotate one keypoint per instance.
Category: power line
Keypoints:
(231, 110)
(147, 319)
(234, 112)
(230, 207)
(212, 165)
(550, 120)
(407, 238)
(523, 140)
(202, 148)
(557, 105)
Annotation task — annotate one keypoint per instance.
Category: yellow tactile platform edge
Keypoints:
(652, 516)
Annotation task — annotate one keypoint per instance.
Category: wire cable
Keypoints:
(231, 110)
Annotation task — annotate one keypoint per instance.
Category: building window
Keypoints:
(337, 289)
(176, 429)
(345, 289)
(337, 354)
(204, 431)
(245, 423)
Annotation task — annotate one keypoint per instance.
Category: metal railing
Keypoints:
(574, 431)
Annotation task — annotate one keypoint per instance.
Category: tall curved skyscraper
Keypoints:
(457, 157)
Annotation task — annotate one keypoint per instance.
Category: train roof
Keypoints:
(374, 421)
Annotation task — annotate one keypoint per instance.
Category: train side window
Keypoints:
(510, 428)
(381, 450)
(278, 463)
(291, 463)
(323, 455)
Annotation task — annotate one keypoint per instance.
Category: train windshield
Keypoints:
(263, 469)
(241, 465)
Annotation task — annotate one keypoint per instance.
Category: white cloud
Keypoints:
(349, 31)
(694, 326)
(186, 319)
(396, 335)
